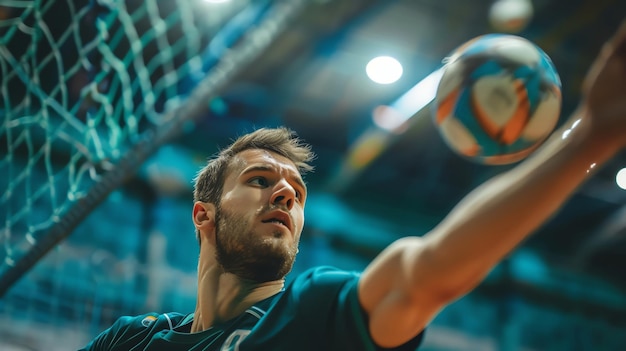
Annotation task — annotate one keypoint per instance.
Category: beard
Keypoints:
(245, 253)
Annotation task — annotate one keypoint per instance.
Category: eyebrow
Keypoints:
(266, 168)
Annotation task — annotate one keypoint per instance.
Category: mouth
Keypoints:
(280, 218)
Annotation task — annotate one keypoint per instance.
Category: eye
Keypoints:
(260, 181)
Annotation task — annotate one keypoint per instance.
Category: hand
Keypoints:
(604, 90)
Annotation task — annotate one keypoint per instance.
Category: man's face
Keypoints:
(260, 217)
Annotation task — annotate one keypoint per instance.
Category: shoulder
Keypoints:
(320, 284)
(324, 296)
(129, 327)
(324, 276)
(315, 288)
(320, 291)
(149, 320)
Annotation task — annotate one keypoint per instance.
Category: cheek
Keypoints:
(241, 198)
(298, 217)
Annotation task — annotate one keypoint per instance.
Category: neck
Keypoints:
(223, 296)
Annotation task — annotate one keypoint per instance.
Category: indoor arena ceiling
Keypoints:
(312, 80)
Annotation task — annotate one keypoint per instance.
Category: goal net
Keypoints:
(91, 88)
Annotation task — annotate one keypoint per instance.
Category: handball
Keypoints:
(498, 99)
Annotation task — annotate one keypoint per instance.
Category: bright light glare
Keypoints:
(620, 178)
(384, 70)
(216, 1)
(410, 103)
(420, 95)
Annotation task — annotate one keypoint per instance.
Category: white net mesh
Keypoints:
(89, 90)
(85, 83)
(80, 82)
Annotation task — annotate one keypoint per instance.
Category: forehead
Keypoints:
(261, 157)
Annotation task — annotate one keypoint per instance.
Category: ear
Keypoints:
(204, 218)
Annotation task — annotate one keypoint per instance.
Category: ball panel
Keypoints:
(516, 124)
(549, 109)
(452, 79)
(515, 49)
(459, 138)
(446, 107)
(494, 101)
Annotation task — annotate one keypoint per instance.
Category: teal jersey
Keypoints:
(319, 310)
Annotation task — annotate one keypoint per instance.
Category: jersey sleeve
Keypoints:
(130, 331)
(327, 299)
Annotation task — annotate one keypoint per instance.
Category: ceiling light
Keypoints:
(384, 70)
(620, 178)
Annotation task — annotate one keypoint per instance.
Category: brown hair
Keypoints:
(209, 182)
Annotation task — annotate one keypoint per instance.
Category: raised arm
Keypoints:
(415, 277)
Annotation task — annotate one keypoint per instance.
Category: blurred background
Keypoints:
(110, 107)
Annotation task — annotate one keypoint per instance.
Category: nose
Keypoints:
(284, 195)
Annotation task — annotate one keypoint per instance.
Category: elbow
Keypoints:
(436, 278)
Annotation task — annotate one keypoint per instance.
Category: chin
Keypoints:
(266, 269)
(268, 260)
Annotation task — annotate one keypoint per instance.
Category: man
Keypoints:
(249, 213)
